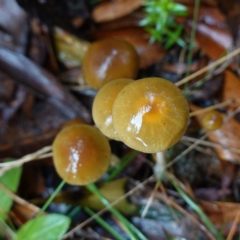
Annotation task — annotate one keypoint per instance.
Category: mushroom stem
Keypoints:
(160, 165)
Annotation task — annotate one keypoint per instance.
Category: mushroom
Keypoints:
(150, 115)
(103, 103)
(73, 122)
(109, 59)
(81, 154)
(212, 120)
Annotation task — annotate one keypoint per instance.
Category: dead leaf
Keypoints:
(70, 49)
(231, 89)
(212, 40)
(221, 213)
(108, 11)
(228, 135)
(21, 213)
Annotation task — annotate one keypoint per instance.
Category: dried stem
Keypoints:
(213, 107)
(210, 66)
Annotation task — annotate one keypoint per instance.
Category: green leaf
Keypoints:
(47, 227)
(10, 180)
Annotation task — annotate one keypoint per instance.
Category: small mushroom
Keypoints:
(103, 103)
(109, 59)
(150, 115)
(212, 120)
(81, 154)
(73, 122)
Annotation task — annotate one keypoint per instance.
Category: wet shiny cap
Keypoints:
(109, 59)
(150, 115)
(103, 103)
(72, 122)
(81, 154)
(212, 120)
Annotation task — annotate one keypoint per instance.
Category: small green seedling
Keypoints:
(160, 21)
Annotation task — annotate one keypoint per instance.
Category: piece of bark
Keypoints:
(148, 53)
(108, 11)
(44, 84)
(13, 26)
(231, 89)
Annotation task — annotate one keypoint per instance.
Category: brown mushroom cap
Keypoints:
(73, 122)
(150, 115)
(212, 120)
(109, 59)
(81, 154)
(103, 103)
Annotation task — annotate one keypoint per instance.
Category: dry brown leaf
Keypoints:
(208, 15)
(22, 213)
(149, 53)
(108, 11)
(228, 135)
(208, 2)
(220, 212)
(231, 89)
(213, 40)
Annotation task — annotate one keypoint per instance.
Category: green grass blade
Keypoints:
(198, 210)
(49, 201)
(132, 231)
(104, 224)
(124, 162)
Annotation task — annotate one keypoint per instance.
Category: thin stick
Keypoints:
(210, 66)
(234, 227)
(133, 190)
(189, 149)
(170, 202)
(210, 144)
(150, 200)
(40, 154)
(17, 199)
(207, 109)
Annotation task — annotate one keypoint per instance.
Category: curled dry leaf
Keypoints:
(108, 11)
(70, 49)
(228, 135)
(148, 53)
(231, 89)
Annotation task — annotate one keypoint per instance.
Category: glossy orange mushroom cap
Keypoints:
(81, 154)
(103, 103)
(212, 120)
(150, 115)
(109, 59)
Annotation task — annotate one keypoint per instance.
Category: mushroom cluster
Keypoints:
(149, 115)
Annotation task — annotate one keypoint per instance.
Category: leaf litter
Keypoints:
(31, 115)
